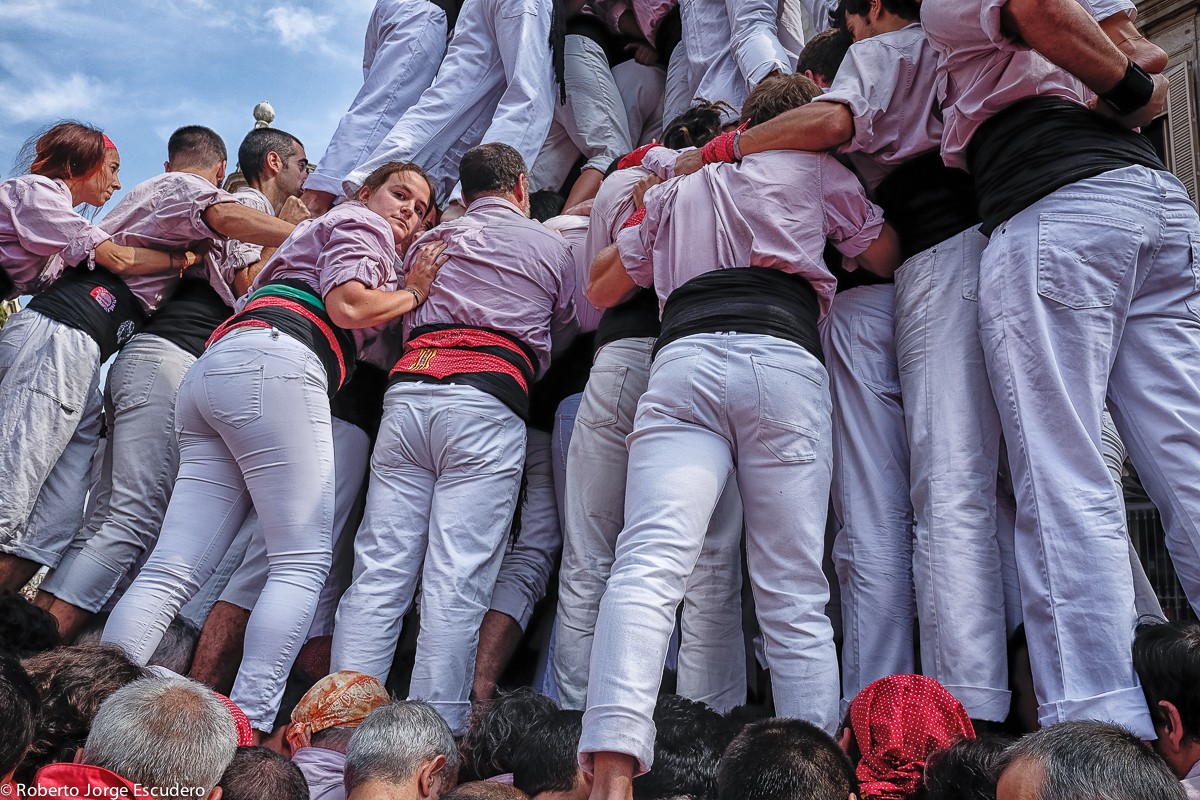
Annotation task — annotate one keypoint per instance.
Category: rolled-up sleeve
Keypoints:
(180, 207)
(356, 251)
(755, 43)
(864, 85)
(635, 244)
(852, 222)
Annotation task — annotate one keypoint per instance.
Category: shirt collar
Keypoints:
(490, 201)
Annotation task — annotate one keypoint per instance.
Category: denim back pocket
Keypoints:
(1083, 259)
(235, 395)
(793, 407)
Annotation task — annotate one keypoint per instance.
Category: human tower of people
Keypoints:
(920, 286)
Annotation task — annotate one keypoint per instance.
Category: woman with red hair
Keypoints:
(41, 234)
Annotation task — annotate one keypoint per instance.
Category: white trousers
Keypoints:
(712, 656)
(1094, 291)
(445, 475)
(405, 42)
(716, 405)
(254, 429)
(496, 84)
(50, 413)
(592, 123)
(641, 89)
(872, 552)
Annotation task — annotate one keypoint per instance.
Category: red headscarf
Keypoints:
(898, 721)
(84, 780)
(108, 143)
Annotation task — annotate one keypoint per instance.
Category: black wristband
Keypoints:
(1132, 92)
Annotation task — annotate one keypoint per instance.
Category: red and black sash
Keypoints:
(490, 360)
(293, 307)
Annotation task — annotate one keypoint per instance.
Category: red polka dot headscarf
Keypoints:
(897, 722)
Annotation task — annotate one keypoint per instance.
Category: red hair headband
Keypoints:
(108, 144)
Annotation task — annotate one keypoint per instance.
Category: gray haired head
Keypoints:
(163, 733)
(395, 740)
(1087, 761)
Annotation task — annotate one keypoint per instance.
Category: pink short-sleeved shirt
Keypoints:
(165, 212)
(349, 243)
(982, 70)
(41, 234)
(889, 84)
(751, 214)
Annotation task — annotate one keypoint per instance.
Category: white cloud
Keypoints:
(298, 27)
(73, 95)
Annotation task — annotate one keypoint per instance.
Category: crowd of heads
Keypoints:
(67, 708)
(87, 707)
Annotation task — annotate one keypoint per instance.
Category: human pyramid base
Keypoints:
(814, 401)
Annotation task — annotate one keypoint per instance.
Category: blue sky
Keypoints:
(139, 69)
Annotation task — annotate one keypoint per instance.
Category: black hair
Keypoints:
(905, 9)
(258, 144)
(546, 760)
(195, 146)
(1167, 660)
(490, 168)
(545, 204)
(697, 126)
(784, 759)
(18, 708)
(689, 739)
(259, 773)
(25, 629)
(496, 730)
(966, 769)
(823, 54)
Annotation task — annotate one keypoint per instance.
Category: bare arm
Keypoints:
(236, 221)
(1063, 32)
(124, 260)
(609, 284)
(814, 127)
(244, 278)
(883, 256)
(353, 305)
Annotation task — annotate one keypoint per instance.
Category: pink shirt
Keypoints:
(982, 70)
(608, 10)
(611, 207)
(773, 209)
(163, 213)
(227, 257)
(574, 230)
(889, 84)
(41, 234)
(348, 243)
(650, 13)
(506, 272)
